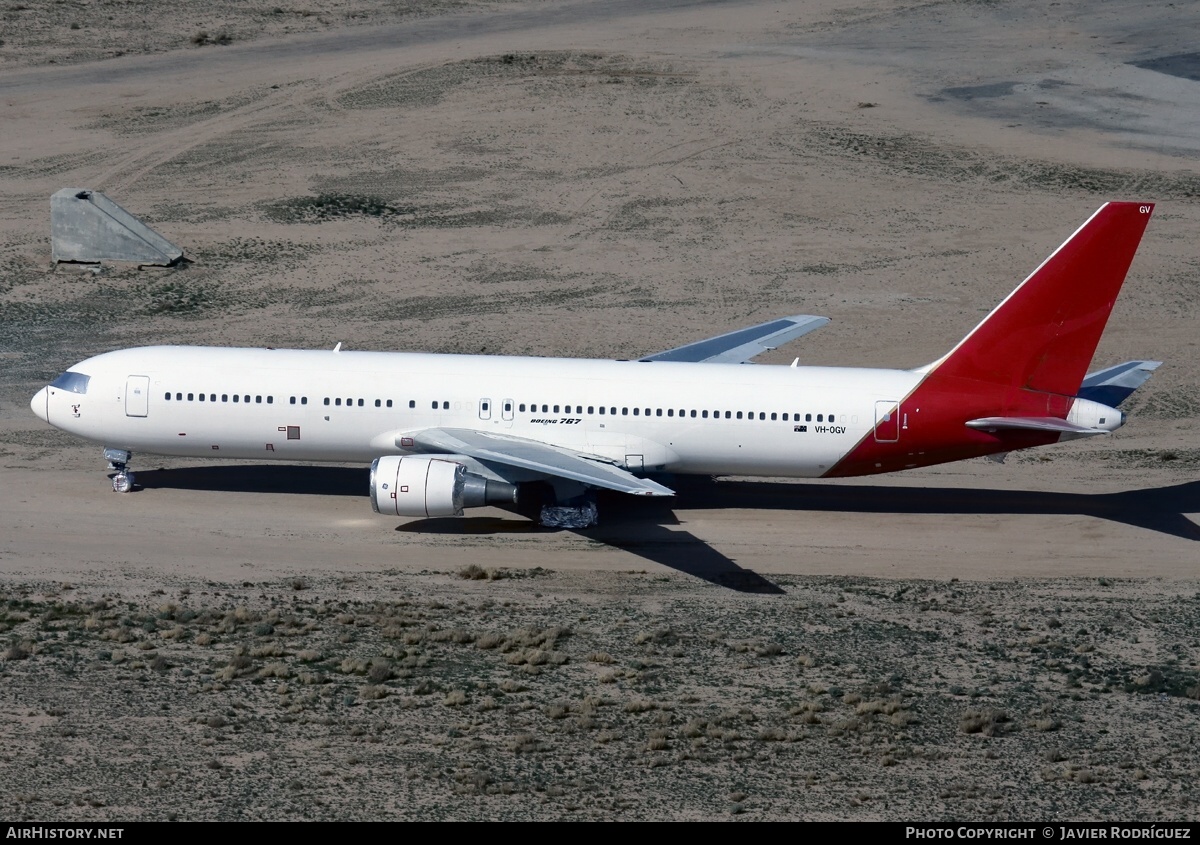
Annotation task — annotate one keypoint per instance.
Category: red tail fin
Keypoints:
(1042, 337)
(1026, 359)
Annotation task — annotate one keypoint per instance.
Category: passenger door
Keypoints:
(137, 396)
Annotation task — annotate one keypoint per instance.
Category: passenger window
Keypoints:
(624, 412)
(612, 411)
(378, 403)
(389, 403)
(178, 397)
(647, 412)
(412, 403)
(693, 414)
(326, 399)
(556, 409)
(191, 397)
(773, 416)
(728, 414)
(235, 398)
(591, 409)
(808, 417)
(201, 397)
(704, 414)
(445, 406)
(601, 410)
(270, 400)
(658, 412)
(739, 416)
(246, 399)
(168, 396)
(521, 407)
(360, 403)
(820, 417)
(435, 406)
(292, 400)
(258, 400)
(635, 412)
(785, 417)
(831, 417)
(670, 412)
(545, 408)
(338, 401)
(303, 400)
(579, 409)
(762, 415)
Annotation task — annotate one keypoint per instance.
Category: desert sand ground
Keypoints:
(1007, 641)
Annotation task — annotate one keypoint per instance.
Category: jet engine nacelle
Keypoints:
(421, 485)
(1090, 414)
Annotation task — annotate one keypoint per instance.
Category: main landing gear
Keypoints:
(118, 460)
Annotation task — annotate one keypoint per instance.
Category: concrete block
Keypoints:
(88, 227)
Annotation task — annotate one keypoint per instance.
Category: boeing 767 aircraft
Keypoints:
(448, 432)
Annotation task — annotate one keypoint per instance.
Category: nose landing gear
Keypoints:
(118, 459)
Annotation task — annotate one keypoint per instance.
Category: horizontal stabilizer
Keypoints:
(1033, 424)
(740, 346)
(537, 457)
(1114, 385)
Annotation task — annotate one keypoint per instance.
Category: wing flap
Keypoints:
(738, 347)
(1033, 424)
(535, 456)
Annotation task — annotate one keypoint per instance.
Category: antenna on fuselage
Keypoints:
(338, 348)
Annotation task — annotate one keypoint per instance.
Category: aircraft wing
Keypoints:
(1033, 424)
(740, 346)
(1114, 385)
(536, 456)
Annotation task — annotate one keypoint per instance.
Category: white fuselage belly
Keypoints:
(686, 421)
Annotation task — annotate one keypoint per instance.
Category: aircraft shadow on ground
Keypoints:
(1160, 509)
(265, 478)
(643, 527)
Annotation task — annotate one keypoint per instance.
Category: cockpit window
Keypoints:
(73, 382)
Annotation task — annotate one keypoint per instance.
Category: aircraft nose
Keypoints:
(38, 404)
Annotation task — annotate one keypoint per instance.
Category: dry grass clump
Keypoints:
(525, 743)
(201, 38)
(374, 692)
(275, 670)
(489, 640)
(988, 721)
(773, 734)
(659, 740)
(639, 705)
(455, 698)
(308, 655)
(602, 657)
(454, 635)
(354, 666)
(475, 572)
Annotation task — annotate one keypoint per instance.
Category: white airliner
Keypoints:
(447, 432)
